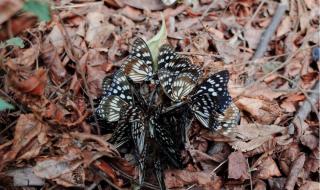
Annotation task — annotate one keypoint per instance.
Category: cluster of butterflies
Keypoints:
(152, 108)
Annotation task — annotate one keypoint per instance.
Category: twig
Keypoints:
(103, 176)
(267, 35)
(78, 5)
(211, 173)
(70, 52)
(278, 67)
(309, 103)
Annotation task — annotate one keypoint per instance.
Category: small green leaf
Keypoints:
(5, 105)
(39, 8)
(156, 41)
(15, 42)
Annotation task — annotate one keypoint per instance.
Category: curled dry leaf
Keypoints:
(267, 169)
(251, 136)
(50, 57)
(252, 36)
(99, 30)
(182, 178)
(265, 147)
(25, 177)
(34, 84)
(263, 111)
(237, 166)
(310, 141)
(132, 13)
(295, 170)
(75, 178)
(53, 167)
(109, 171)
(29, 137)
(310, 185)
(105, 147)
(151, 5)
(261, 90)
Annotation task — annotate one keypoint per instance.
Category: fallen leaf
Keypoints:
(251, 136)
(25, 177)
(237, 166)
(310, 185)
(151, 5)
(50, 57)
(181, 178)
(284, 27)
(29, 137)
(8, 8)
(34, 84)
(263, 111)
(267, 169)
(99, 29)
(310, 141)
(53, 167)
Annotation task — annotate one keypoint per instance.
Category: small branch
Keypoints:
(267, 35)
(309, 103)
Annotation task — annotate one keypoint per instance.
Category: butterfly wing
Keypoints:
(167, 144)
(227, 121)
(117, 96)
(177, 75)
(138, 134)
(138, 66)
(212, 104)
(167, 57)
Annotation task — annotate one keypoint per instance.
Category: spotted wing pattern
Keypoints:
(117, 98)
(177, 75)
(138, 66)
(138, 135)
(212, 104)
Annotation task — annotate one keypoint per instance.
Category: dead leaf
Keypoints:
(237, 166)
(151, 5)
(263, 111)
(29, 137)
(251, 136)
(310, 141)
(50, 57)
(310, 185)
(252, 36)
(35, 84)
(132, 13)
(75, 178)
(53, 167)
(25, 177)
(267, 169)
(284, 27)
(99, 29)
(8, 8)
(228, 52)
(181, 178)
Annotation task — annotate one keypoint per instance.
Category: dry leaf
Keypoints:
(237, 166)
(267, 169)
(263, 111)
(251, 136)
(29, 137)
(99, 29)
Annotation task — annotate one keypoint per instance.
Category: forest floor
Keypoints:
(52, 65)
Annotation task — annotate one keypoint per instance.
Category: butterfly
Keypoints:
(138, 65)
(212, 105)
(116, 98)
(177, 75)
